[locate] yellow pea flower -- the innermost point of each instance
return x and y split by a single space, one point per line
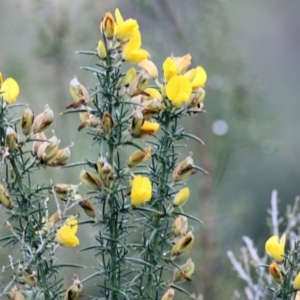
169 68
296 282
124 28
108 26
153 94
65 235
141 190
275 247
181 197
149 128
178 90
9 89
131 51
197 77
275 273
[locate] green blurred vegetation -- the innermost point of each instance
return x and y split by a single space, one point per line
250 52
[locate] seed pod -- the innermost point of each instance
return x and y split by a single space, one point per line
29 277
27 120
43 120
107 122
168 295
184 169
185 272
90 180
10 139
88 208
36 144
139 156
5 199
74 291
137 123
183 245
180 226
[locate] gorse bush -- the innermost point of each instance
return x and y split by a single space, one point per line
134 204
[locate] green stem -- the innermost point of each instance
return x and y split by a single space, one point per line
161 189
44 281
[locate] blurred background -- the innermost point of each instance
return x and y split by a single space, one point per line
250 50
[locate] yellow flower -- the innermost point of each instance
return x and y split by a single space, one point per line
65 235
275 247
181 197
182 63
141 190
148 128
124 28
197 77
169 68
9 89
296 282
108 26
178 90
153 94
131 51
275 273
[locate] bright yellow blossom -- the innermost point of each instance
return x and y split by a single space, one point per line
169 68
275 247
148 128
296 282
131 51
141 190
197 77
9 89
153 94
65 235
178 90
124 28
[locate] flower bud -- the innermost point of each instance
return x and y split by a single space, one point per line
149 67
129 76
90 180
5 199
36 144
184 169
29 277
185 272
88 208
60 159
43 120
14 294
168 295
79 94
153 94
275 272
27 120
143 82
139 156
137 123
101 50
107 122
181 197
74 291
183 245
108 26
10 139
180 226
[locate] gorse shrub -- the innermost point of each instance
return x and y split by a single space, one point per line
133 203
